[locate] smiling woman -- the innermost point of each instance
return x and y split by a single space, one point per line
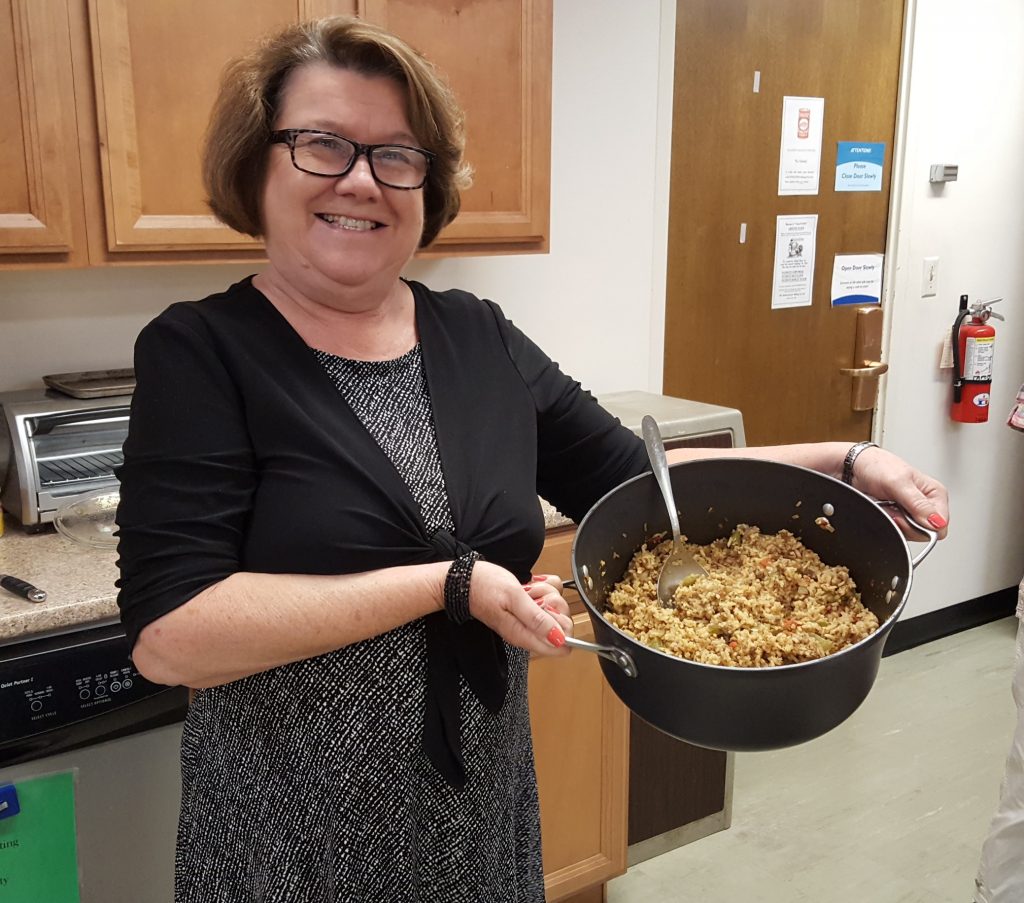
329 505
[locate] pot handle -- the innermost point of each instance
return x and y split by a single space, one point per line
933 537
623 659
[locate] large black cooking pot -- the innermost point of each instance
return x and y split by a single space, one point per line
744 708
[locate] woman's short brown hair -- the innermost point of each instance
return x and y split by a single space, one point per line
236 148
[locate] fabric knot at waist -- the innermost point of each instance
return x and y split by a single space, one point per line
471 650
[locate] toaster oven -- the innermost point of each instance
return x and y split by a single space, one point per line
54 448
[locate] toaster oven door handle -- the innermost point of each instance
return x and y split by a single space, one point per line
41 426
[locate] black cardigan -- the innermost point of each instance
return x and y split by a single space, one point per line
243 456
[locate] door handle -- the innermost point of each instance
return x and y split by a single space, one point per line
870 368
867 349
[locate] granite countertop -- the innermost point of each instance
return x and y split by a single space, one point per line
79 581
79 584
552 517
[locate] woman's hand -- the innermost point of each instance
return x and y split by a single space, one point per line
534 617
888 477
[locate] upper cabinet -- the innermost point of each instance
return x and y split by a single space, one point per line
496 55
156 69
111 99
41 210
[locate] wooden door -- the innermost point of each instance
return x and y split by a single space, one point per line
723 342
157 68
41 204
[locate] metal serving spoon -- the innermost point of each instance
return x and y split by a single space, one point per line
680 563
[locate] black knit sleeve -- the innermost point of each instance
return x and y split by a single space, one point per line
582 450
188 475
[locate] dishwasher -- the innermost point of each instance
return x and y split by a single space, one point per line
73 704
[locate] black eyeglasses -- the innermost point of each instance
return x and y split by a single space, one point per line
326 154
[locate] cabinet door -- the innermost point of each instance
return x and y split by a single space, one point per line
156 68
41 206
496 54
581 743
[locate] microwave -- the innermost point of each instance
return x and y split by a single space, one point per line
682 423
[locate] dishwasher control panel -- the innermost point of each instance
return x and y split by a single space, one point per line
60 681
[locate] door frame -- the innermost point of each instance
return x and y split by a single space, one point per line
894 251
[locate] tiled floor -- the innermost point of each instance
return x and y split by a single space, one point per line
890 807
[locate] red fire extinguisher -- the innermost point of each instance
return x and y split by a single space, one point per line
973 346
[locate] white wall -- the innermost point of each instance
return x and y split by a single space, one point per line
596 302
966 106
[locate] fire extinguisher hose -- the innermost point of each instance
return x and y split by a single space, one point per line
958 376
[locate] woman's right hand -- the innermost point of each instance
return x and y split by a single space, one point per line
498 600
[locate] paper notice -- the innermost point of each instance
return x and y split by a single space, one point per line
793 280
800 147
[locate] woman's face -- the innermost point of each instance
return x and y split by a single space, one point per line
328 234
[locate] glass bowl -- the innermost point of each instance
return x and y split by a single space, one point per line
90 519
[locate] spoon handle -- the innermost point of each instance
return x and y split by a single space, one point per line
659 464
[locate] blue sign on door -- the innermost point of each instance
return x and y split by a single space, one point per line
859 166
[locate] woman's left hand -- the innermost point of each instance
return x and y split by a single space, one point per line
887 477
546 591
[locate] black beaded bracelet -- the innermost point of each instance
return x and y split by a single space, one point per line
456 587
851 456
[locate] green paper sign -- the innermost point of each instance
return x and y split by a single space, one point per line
38 854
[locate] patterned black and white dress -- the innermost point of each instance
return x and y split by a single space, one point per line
310 783
365 816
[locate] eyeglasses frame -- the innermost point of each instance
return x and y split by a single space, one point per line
288 136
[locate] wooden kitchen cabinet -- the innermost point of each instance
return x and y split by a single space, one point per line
496 55
102 162
42 214
581 743
156 69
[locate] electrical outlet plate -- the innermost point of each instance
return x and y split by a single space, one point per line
930 277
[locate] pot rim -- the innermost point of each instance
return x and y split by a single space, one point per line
875 636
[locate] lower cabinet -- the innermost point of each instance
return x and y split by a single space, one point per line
613 789
581 742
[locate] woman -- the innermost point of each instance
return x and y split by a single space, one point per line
329 506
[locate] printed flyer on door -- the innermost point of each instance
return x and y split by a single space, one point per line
800 147
793 281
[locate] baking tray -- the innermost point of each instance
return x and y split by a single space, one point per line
93 383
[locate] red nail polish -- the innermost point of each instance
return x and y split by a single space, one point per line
556 638
937 521
537 578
